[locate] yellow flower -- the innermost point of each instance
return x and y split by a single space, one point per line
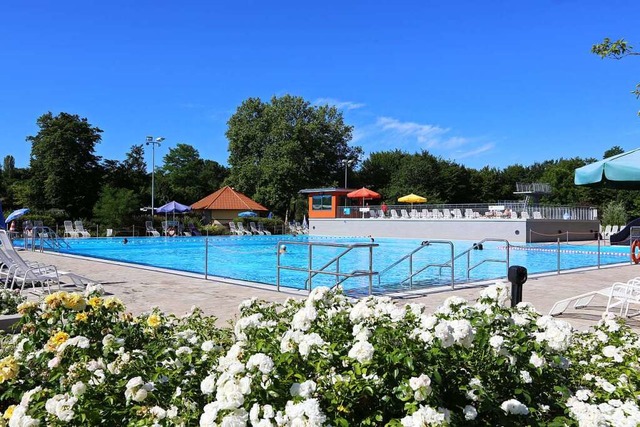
55 300
153 320
75 302
342 408
9 412
95 302
55 341
112 303
8 369
82 316
27 306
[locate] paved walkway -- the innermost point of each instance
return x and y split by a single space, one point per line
142 288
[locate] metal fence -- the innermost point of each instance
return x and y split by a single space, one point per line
470 210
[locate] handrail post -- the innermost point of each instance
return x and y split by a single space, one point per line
558 255
453 267
468 264
567 236
310 266
206 257
278 267
411 271
598 250
370 270
337 271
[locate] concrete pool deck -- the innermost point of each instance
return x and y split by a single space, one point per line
142 288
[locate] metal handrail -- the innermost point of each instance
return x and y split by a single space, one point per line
312 272
409 256
46 235
475 246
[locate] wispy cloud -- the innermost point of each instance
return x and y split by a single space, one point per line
472 153
340 105
389 132
427 135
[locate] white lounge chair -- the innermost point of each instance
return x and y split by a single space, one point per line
617 295
446 213
394 214
80 229
150 230
264 230
437 214
21 273
524 215
457 214
537 215
69 231
628 292
405 214
234 229
254 228
242 230
514 215
426 213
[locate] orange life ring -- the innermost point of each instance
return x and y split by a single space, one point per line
635 257
171 231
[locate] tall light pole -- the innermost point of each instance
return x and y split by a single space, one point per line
153 143
346 164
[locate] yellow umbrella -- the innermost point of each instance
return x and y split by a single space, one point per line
412 198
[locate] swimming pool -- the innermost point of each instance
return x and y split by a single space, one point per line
253 258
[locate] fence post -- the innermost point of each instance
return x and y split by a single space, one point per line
558 255
206 258
598 250
567 236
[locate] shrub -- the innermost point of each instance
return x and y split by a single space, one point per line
614 213
214 230
325 360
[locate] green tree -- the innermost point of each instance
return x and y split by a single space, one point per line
65 170
116 207
130 173
9 167
616 50
279 147
188 178
613 151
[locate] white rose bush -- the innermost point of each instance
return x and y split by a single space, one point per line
10 300
325 360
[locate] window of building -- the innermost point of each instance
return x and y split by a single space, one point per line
321 202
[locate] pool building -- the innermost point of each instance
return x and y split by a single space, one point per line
332 213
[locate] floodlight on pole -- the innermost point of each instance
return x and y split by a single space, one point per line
346 164
153 143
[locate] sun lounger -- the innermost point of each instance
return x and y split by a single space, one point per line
80 229
254 228
617 295
150 230
405 214
242 230
394 214
69 231
264 230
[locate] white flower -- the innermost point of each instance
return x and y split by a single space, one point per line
362 351
260 361
54 362
78 388
496 341
61 405
208 385
513 406
426 416
137 390
158 413
421 386
470 413
536 360
183 350
305 389
583 394
444 333
526 377
613 352
303 318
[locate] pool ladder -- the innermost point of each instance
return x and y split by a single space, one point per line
44 237
340 277
449 264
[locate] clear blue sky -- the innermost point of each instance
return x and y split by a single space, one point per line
478 82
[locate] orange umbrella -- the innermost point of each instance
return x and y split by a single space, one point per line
363 193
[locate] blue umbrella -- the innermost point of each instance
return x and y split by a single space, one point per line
247 214
16 214
173 207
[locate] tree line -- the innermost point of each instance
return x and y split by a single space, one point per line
276 148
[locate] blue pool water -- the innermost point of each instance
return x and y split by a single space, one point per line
253 258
